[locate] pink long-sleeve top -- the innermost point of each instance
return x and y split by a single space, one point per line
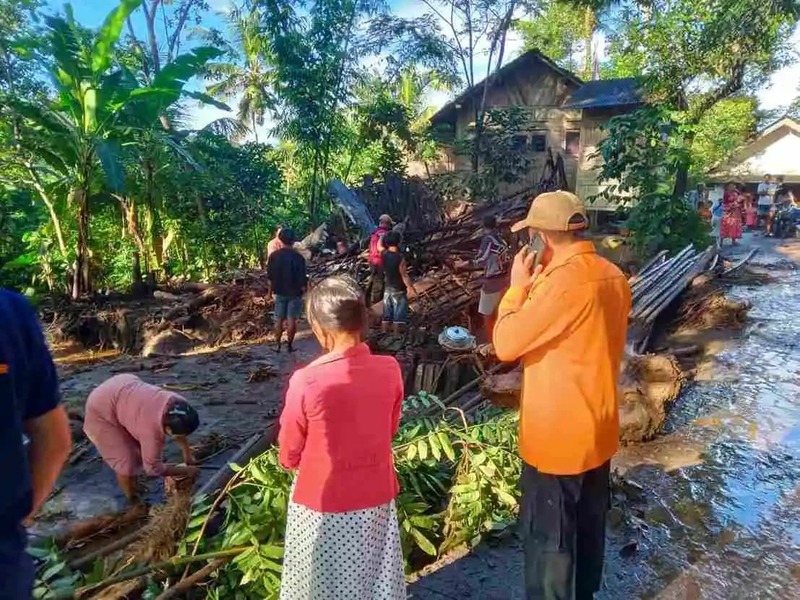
337 425
124 419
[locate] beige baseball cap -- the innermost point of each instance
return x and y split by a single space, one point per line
555 211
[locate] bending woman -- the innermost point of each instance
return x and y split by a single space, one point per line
341 413
128 420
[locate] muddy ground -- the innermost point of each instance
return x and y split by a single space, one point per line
711 509
237 390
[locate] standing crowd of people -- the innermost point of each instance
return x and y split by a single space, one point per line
556 306
738 210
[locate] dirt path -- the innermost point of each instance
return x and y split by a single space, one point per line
717 516
237 390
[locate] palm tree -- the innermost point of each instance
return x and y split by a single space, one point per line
75 139
248 76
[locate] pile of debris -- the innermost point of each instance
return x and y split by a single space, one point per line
169 324
649 381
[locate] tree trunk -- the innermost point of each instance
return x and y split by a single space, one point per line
153 217
255 131
682 174
589 25
81 280
129 212
37 185
499 45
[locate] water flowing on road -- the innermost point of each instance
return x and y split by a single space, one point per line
718 509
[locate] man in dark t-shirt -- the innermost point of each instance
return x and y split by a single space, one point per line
35 437
396 285
286 271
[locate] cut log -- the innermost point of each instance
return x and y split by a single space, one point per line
649 383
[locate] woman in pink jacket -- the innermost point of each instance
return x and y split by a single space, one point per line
341 413
128 420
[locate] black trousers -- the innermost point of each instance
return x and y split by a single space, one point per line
563 522
376 285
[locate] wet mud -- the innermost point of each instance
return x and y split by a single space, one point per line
710 509
237 390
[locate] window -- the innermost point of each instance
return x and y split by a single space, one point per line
572 143
538 143
518 142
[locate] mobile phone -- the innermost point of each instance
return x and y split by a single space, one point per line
536 246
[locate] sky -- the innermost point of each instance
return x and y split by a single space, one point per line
778 93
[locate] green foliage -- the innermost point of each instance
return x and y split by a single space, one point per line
71 144
641 155
255 516
458 482
559 33
502 156
248 74
706 50
726 127
53 578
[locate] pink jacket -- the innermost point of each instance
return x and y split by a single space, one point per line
337 425
124 419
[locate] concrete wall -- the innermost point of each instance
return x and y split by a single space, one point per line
777 153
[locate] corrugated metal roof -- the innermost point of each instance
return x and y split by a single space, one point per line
605 93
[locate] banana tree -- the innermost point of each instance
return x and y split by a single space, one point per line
77 137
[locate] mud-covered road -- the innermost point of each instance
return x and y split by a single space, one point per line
716 514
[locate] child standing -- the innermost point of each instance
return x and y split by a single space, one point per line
716 222
337 425
396 285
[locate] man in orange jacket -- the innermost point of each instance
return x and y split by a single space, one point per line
566 319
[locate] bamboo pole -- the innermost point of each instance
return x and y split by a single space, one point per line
176 561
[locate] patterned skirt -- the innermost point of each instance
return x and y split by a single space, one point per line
353 555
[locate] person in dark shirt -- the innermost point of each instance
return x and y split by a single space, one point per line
286 272
35 438
396 285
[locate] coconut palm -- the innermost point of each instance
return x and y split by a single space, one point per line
248 77
76 138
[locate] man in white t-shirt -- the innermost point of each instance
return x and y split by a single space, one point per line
766 197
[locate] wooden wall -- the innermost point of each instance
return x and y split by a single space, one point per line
592 134
541 91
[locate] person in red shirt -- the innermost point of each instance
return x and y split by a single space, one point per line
376 248
340 415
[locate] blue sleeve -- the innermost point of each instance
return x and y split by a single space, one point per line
41 393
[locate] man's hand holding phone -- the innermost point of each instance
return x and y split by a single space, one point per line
526 267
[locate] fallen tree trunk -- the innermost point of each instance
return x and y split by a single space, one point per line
648 384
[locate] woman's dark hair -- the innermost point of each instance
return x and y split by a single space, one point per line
181 418
337 304
286 236
391 239
489 222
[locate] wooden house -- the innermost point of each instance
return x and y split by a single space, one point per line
564 114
